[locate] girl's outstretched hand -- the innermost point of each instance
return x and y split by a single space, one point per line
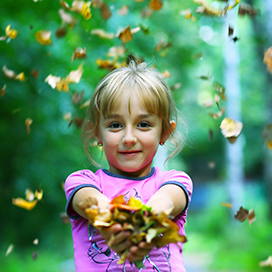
137 253
116 238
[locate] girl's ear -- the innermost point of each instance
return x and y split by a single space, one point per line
167 133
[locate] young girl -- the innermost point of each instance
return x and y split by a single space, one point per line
130 115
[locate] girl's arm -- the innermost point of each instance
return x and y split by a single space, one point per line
170 198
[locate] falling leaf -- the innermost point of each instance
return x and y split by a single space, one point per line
36 241
35 73
208 103
43 37
230 33
125 35
106 64
268 59
21 77
65 17
116 52
8 73
247 9
28 122
101 33
65 5
74 76
267 262
161 45
61 32
79 53
211 164
52 81
218 114
166 74
77 98
267 135
77 6
210 134
9 250
244 214
251 217
29 195
22 203
86 11
97 3
146 12
225 204
67 116
11 33
38 194
207 9
155 4
231 129
123 11
34 255
105 11
3 90
62 85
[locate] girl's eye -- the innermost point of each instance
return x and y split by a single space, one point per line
115 125
144 125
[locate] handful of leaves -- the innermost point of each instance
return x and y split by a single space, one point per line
139 220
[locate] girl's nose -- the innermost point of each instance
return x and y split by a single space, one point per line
129 137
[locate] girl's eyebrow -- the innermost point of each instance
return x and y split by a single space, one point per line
112 116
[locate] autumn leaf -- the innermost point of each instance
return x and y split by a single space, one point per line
11 33
28 122
247 9
62 85
52 81
8 73
38 194
268 59
231 129
267 135
79 53
3 90
218 114
267 262
125 35
9 250
22 203
77 98
105 11
77 6
244 214
225 204
43 37
155 4
86 11
123 11
101 33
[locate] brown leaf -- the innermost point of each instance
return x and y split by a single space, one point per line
79 53
251 217
267 135
105 12
247 9
230 33
3 90
241 215
35 73
34 255
77 97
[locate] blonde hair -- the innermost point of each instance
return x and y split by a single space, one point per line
152 90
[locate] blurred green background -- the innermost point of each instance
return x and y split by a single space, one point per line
200 54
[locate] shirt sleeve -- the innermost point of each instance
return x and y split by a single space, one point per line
76 181
182 180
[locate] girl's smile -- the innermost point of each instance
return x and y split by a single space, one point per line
130 137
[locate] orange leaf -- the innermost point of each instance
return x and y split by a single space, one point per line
268 59
155 4
228 205
125 35
28 122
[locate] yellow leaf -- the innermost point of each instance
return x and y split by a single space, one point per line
228 205
101 33
86 11
39 194
269 144
43 37
79 53
11 33
22 203
21 77
62 85
136 203
234 5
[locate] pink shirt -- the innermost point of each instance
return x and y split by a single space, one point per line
91 252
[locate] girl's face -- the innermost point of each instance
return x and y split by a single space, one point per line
130 138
